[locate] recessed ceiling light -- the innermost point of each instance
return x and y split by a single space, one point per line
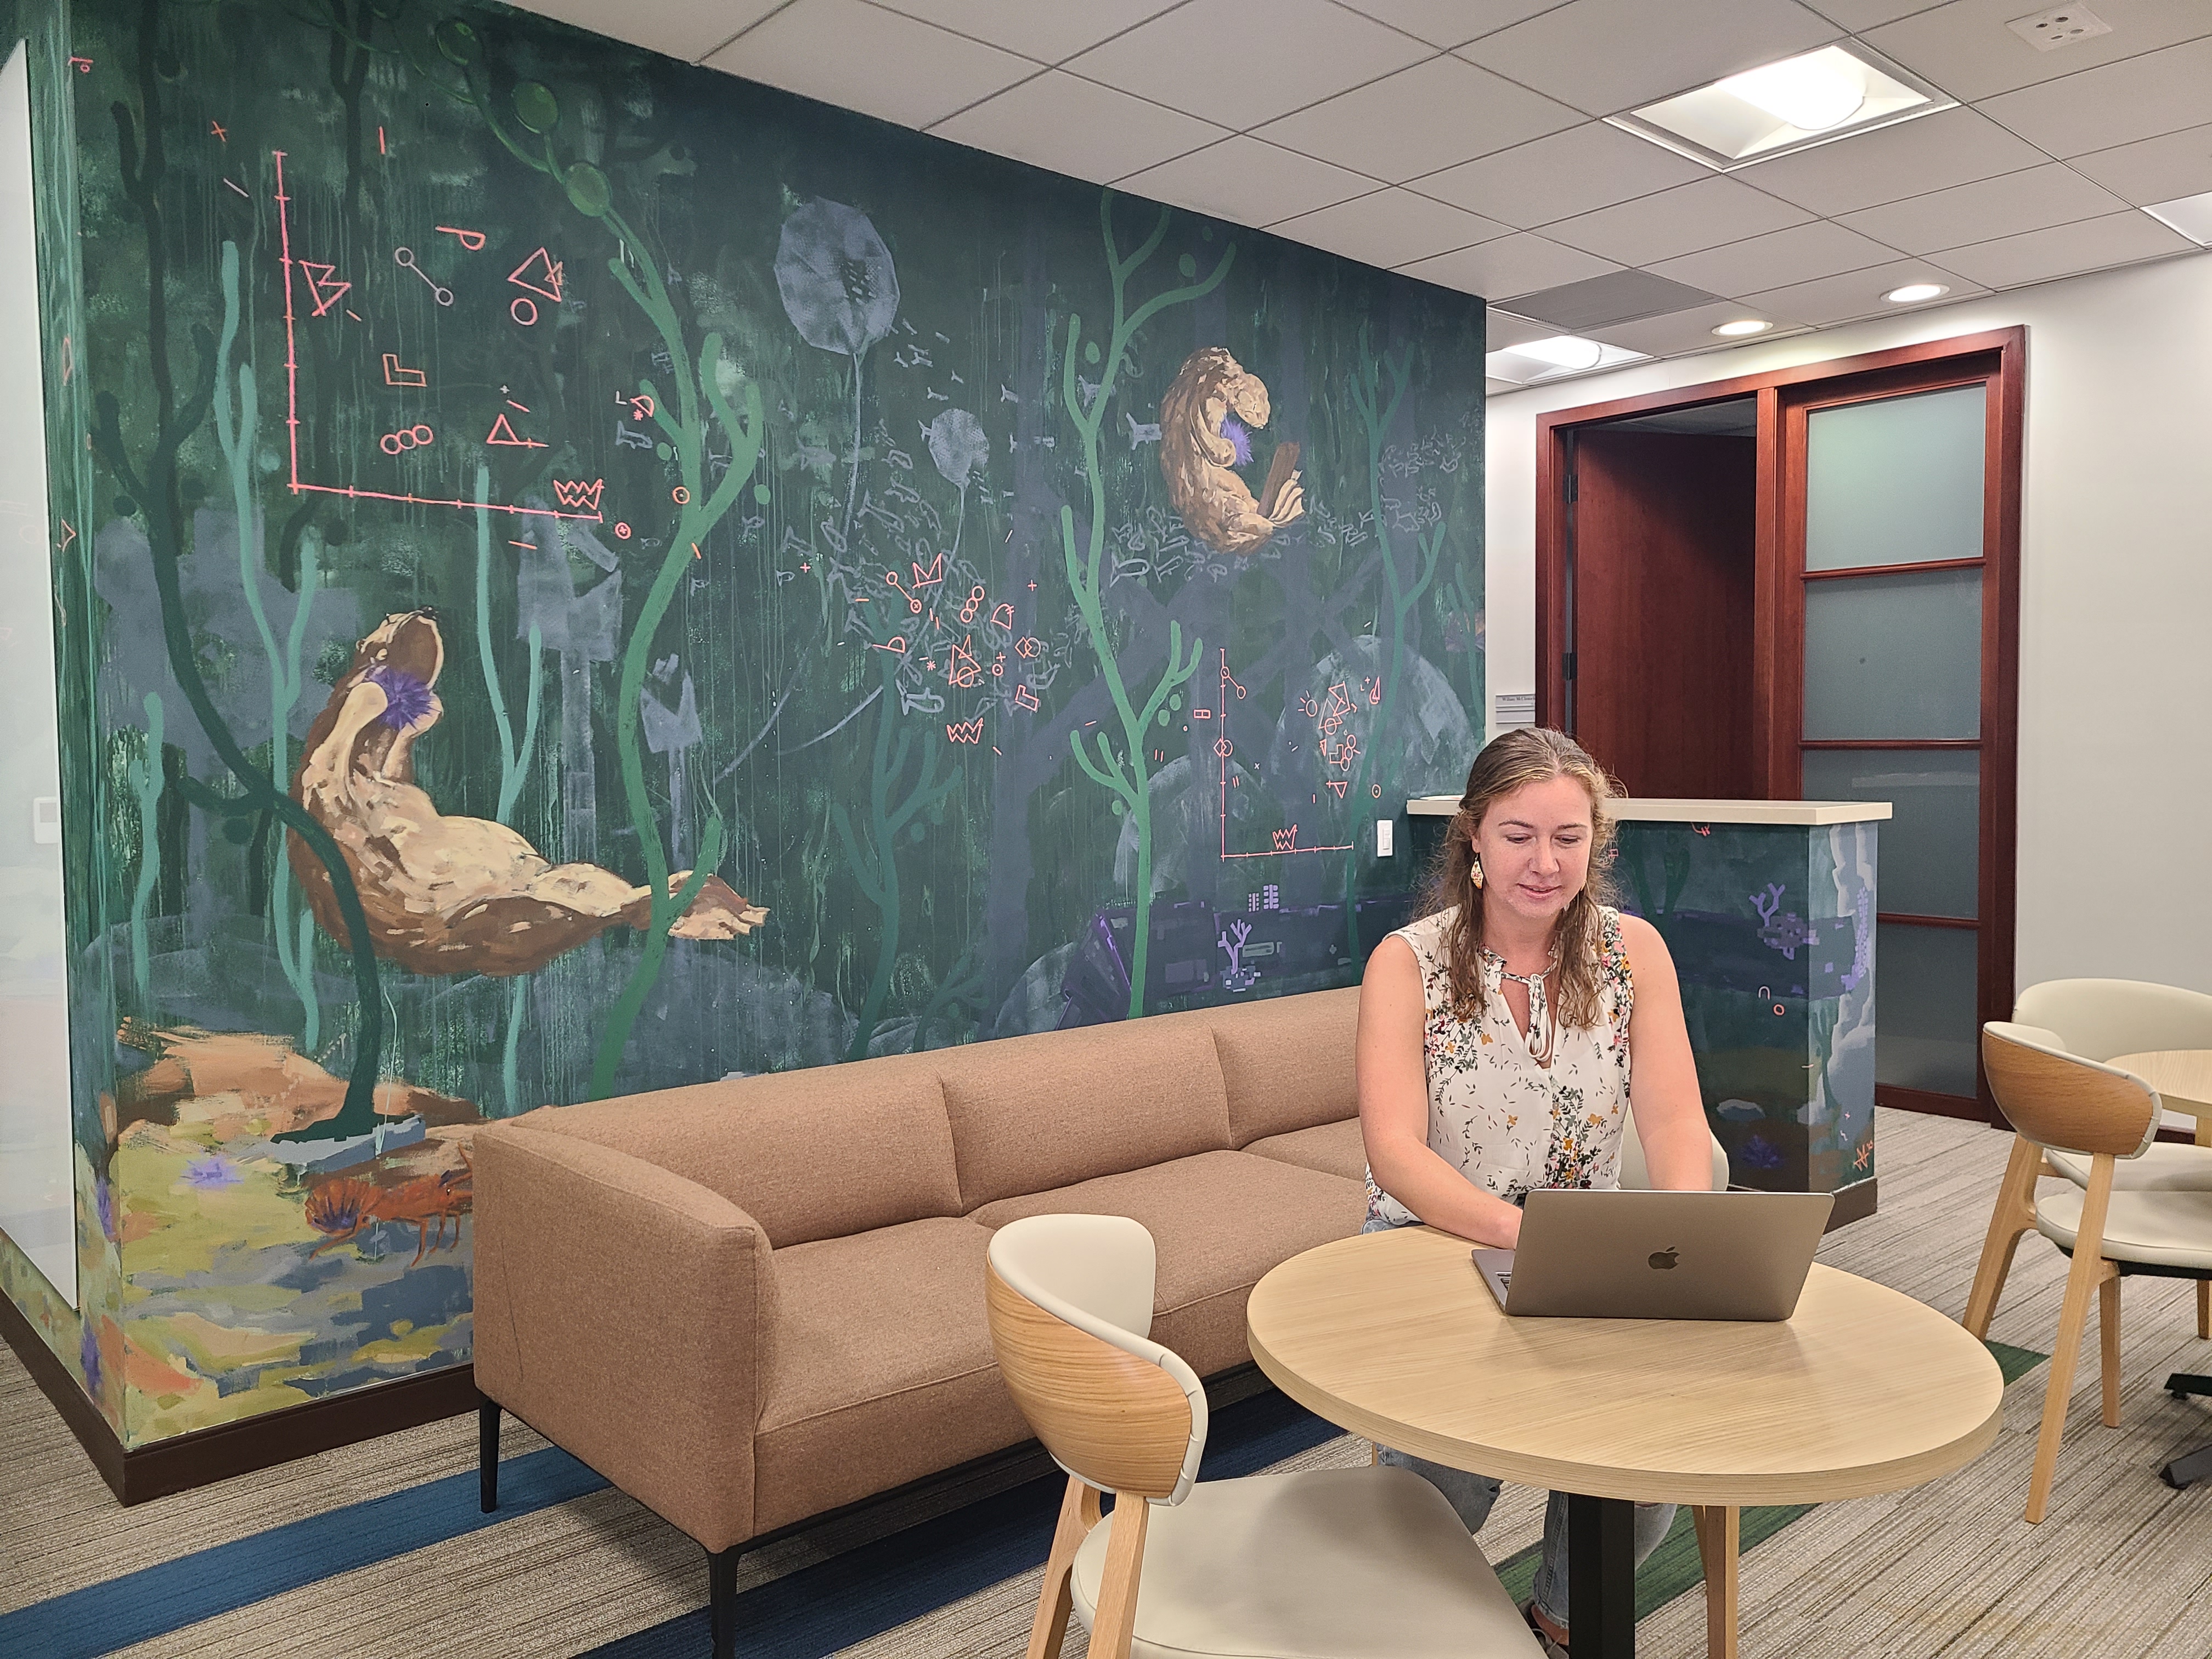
1564 352
2189 215
1740 326
1913 293
1784 106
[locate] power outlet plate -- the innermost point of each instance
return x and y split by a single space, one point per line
2048 31
1383 828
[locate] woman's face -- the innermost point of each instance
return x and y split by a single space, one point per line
1534 846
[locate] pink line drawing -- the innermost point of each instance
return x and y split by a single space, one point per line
302 487
1285 841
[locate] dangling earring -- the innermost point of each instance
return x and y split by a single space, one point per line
1474 872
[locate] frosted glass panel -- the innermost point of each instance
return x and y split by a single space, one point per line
38 1204
1895 656
1931 847
1926 1028
1894 481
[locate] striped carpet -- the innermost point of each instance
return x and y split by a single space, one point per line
378 1549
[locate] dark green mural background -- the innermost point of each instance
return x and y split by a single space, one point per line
757 507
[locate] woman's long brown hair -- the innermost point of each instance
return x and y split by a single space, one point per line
1512 761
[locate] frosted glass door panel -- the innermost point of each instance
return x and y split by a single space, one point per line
1927 1033
1895 481
1895 656
38 1206
1931 847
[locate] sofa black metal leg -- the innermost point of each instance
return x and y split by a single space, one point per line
487 1453
722 1601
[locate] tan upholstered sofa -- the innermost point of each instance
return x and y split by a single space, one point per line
748 1303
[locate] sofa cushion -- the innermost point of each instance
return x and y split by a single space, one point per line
1287 1061
880 1369
810 1154
1031 1113
1332 1148
1220 1220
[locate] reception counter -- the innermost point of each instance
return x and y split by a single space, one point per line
1768 908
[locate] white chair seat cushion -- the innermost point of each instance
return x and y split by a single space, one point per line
2165 1168
2166 1229
1329 1564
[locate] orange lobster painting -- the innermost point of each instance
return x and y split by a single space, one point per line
344 1208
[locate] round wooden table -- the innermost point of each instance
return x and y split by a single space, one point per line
2183 1078
1394 1336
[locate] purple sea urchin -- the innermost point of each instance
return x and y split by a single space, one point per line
1239 440
407 701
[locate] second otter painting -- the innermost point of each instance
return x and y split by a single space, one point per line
626 579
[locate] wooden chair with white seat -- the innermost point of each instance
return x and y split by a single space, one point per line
2062 1105
2098 1019
1358 1563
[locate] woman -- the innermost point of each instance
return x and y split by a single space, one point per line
1495 1036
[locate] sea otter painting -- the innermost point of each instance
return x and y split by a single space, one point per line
450 895
1207 420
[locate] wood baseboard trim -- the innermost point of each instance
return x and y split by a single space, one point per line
207 1455
1853 1203
1929 1102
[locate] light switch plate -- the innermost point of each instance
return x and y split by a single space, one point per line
1383 827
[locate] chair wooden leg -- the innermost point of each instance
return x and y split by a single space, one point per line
1116 1621
2014 1214
2073 1316
2108 1343
1719 1537
1078 1513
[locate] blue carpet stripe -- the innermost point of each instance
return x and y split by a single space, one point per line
865 1592
157 1599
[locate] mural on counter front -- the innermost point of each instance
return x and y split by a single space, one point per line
597 576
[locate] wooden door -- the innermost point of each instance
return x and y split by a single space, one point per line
1663 578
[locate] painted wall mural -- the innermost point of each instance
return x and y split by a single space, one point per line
584 575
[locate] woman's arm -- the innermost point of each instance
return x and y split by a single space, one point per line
1670 1113
1394 1108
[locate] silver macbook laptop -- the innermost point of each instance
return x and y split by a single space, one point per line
1658 1255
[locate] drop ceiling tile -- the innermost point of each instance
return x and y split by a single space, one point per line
1966 48
1684 220
2116 104
1619 296
1840 299
689 29
909 72
1606 56
1242 62
1777 259
2052 194
1585 167
1389 228
1247 182
1688 331
1857 15
1046 32
1420 120
1511 264
2117 239
1449 22
1078 127
1952 147
2156 169
1502 330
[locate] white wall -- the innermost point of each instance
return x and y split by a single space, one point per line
2116 596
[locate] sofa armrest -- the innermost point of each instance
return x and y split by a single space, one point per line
622 1312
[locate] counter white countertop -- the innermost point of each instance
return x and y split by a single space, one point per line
1803 813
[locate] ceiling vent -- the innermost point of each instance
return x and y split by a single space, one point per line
1623 296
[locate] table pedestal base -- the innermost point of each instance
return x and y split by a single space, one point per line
1602 1577
2190 1466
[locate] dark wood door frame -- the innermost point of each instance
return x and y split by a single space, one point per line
1784 398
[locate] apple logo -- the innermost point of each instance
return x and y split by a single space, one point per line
1663 1259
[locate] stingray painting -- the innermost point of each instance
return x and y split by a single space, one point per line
1206 421
450 895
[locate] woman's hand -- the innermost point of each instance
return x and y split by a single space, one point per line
1394 1108
1670 1112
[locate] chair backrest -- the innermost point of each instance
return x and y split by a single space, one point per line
1636 1178
2056 1099
2097 1019
1070 1299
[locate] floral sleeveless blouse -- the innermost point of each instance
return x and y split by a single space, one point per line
1507 1123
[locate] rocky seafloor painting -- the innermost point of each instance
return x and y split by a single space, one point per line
585 575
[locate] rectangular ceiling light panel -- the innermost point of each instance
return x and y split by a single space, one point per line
1782 107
